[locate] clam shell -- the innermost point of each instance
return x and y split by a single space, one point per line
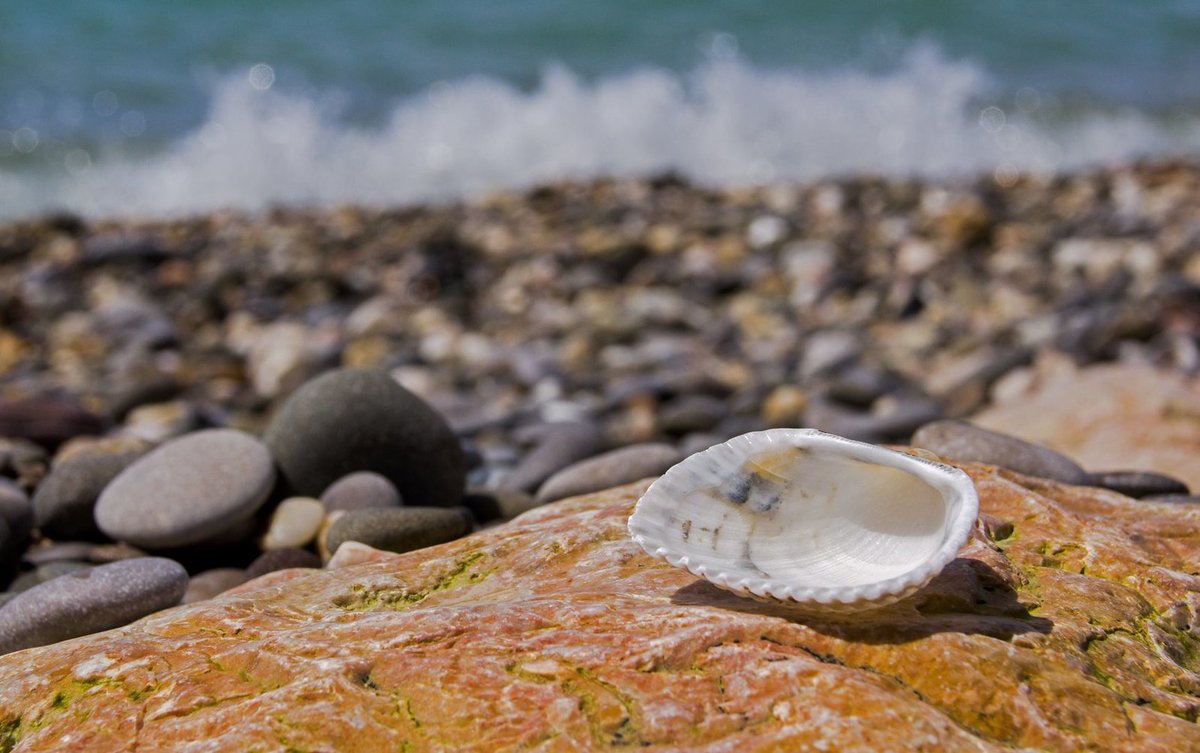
804 516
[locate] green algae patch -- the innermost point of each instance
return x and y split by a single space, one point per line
463 573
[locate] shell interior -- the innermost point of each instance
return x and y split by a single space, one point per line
806 516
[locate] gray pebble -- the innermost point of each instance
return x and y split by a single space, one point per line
905 415
64 502
689 413
89 601
398 529
210 583
362 420
281 559
558 445
609 469
16 510
1137 484
359 491
959 440
46 572
8 546
188 490
57 551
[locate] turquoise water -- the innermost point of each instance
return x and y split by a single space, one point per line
139 107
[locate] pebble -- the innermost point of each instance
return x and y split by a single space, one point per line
397 529
558 445
168 497
483 504
1174 499
64 502
362 420
895 424
281 559
8 546
89 601
294 523
16 511
1138 484
613 468
48 420
690 413
45 572
959 440
359 491
57 551
210 583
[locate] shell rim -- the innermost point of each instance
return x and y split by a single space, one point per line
949 481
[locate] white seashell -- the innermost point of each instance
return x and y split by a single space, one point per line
801 515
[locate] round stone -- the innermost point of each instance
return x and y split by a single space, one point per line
88 601
359 491
362 420
64 502
294 523
609 469
398 529
16 511
188 490
281 559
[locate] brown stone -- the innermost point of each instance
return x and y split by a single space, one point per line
1110 416
1073 630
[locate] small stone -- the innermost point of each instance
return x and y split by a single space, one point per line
690 413
558 445
359 491
356 553
483 504
959 440
16 511
281 559
210 583
89 601
65 501
360 420
784 406
294 523
609 469
188 490
398 529
102 554
48 420
57 551
1138 484
513 503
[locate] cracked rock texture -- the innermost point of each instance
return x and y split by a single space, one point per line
1068 623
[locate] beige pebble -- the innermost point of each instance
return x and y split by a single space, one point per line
294 523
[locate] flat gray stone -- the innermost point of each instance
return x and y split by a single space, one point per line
609 469
362 420
188 490
89 601
1138 484
359 491
959 440
558 445
398 529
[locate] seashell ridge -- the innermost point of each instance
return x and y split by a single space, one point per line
803 516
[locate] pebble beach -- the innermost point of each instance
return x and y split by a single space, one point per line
188 404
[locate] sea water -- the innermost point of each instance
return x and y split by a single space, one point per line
145 107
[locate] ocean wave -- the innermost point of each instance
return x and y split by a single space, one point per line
725 123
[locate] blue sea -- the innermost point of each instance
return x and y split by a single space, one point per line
150 107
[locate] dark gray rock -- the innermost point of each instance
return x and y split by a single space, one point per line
88 601
1138 484
1174 499
609 469
188 490
398 529
281 559
16 511
959 440
362 420
359 491
64 503
558 445
689 413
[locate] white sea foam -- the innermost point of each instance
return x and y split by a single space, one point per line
727 122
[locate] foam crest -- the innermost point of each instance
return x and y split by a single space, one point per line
727 122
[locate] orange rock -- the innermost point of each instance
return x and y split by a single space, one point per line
1076 630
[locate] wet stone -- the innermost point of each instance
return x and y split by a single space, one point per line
168 499
1138 484
959 440
91 600
359 491
398 529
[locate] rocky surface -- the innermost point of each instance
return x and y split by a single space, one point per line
1067 623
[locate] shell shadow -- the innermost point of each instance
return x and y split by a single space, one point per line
968 597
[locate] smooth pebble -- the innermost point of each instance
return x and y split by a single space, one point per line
1138 484
959 440
558 445
65 501
281 559
210 583
294 523
398 529
359 491
16 511
609 469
